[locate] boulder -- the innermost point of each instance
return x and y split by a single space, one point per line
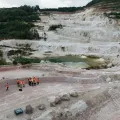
29 109
64 96
67 114
54 100
74 94
57 114
41 107
61 114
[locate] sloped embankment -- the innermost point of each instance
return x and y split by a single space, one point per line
105 4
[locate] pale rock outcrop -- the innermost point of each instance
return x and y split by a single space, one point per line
41 107
73 94
54 100
64 96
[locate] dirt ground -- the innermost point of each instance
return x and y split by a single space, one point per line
100 105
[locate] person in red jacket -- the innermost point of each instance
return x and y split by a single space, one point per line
7 87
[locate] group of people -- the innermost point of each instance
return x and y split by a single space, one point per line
33 81
20 83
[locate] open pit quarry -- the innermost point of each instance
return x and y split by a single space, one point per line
68 93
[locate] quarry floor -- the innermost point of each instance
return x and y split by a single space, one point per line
51 86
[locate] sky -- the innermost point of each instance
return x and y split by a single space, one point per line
44 3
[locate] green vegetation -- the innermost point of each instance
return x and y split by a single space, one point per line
16 29
18 52
114 15
54 27
63 9
3 62
1 53
17 22
25 47
24 13
22 50
24 61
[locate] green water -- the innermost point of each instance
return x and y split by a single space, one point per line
76 61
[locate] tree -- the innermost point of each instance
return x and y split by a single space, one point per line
37 8
17 22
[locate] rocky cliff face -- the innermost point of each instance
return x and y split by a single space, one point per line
87 32
90 26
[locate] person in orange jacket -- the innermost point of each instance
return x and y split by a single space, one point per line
34 81
23 83
18 82
7 87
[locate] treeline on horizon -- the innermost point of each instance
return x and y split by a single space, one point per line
16 22
63 9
